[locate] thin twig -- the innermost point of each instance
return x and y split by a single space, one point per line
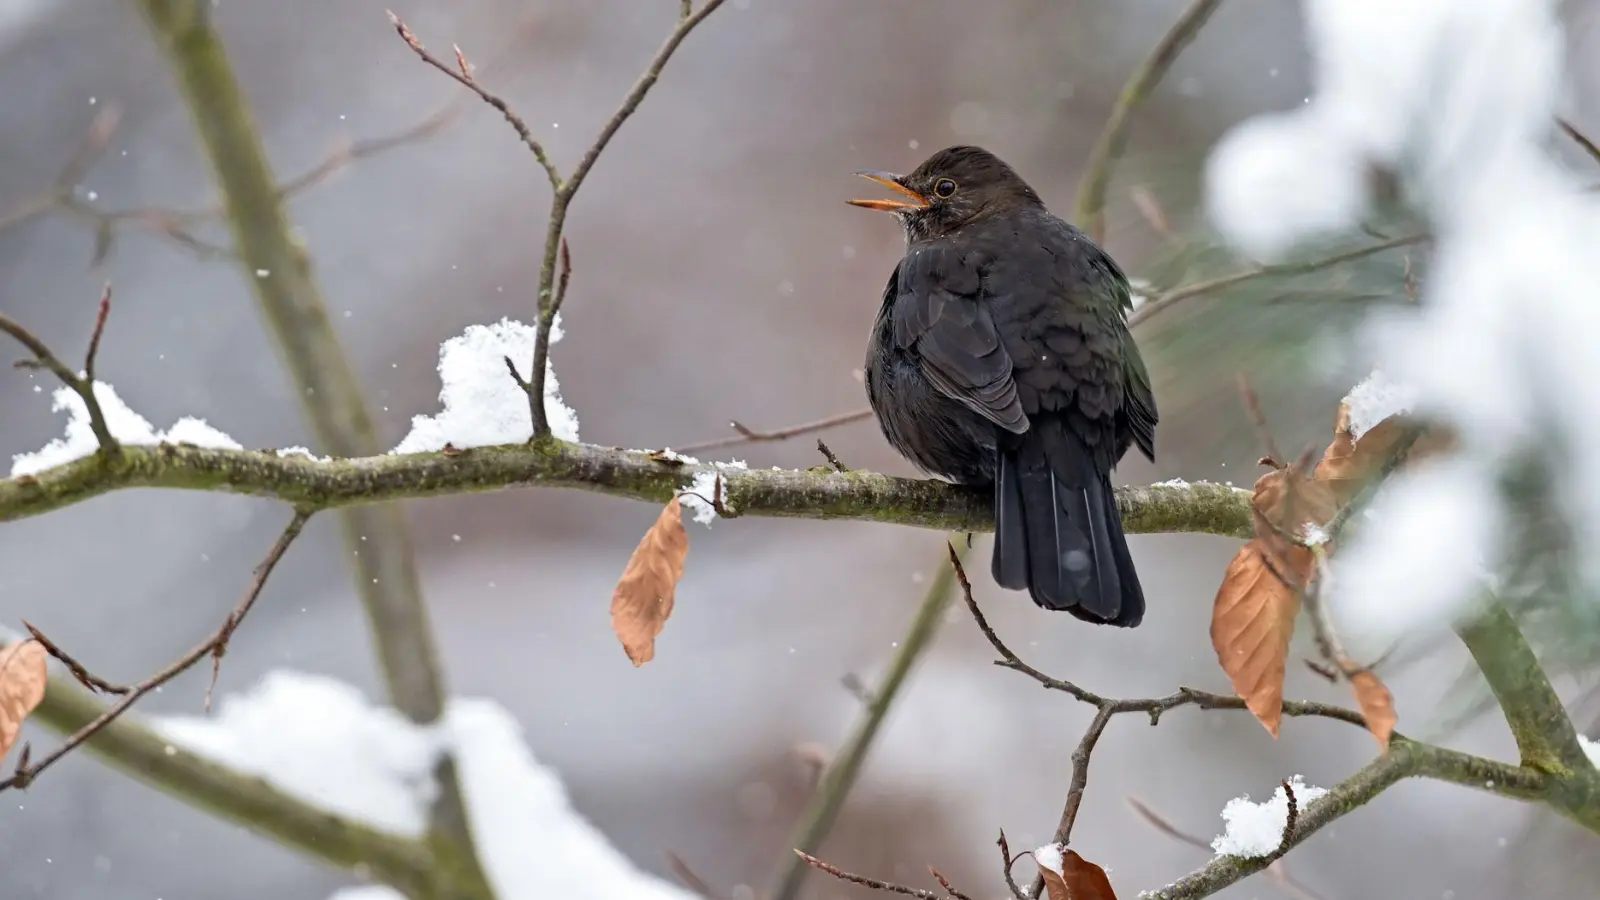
864 881
1113 137
1252 405
747 435
1291 821
1162 302
82 385
23 777
840 774
1578 137
1007 861
688 19
178 224
79 670
1107 707
95 140
690 879
945 883
462 73
831 457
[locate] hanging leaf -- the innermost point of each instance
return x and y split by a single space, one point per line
644 596
23 673
1377 704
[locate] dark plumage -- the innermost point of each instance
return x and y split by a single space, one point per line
1001 356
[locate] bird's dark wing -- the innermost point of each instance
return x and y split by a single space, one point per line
939 316
1139 404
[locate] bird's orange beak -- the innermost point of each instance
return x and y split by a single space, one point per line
892 182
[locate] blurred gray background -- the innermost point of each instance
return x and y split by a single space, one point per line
718 276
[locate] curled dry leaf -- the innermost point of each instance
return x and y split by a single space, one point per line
1078 879
23 673
1286 501
1377 704
1348 464
1251 624
644 596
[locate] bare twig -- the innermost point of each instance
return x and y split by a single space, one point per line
1579 138
178 224
82 385
1162 302
79 671
877 885
550 293
462 73
690 879
840 774
945 883
25 776
746 435
1007 861
828 454
1107 707
1252 405
64 187
1113 137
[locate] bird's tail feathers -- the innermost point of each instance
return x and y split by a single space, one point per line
1058 532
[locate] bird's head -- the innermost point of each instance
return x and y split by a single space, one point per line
952 188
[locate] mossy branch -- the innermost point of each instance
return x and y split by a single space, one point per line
1577 798
1546 737
309 484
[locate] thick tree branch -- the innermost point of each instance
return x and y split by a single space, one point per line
840 774
1546 737
1576 798
130 745
279 271
1090 214
1200 507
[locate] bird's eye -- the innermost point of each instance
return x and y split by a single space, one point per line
944 187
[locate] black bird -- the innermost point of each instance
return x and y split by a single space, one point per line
1001 356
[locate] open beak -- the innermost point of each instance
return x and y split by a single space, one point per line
892 182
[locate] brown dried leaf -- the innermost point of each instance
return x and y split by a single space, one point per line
1348 464
1251 624
22 678
1377 704
644 596
1078 879
1285 502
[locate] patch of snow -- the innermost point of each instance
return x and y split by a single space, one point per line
1256 829
320 739
483 405
126 426
704 488
1376 398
